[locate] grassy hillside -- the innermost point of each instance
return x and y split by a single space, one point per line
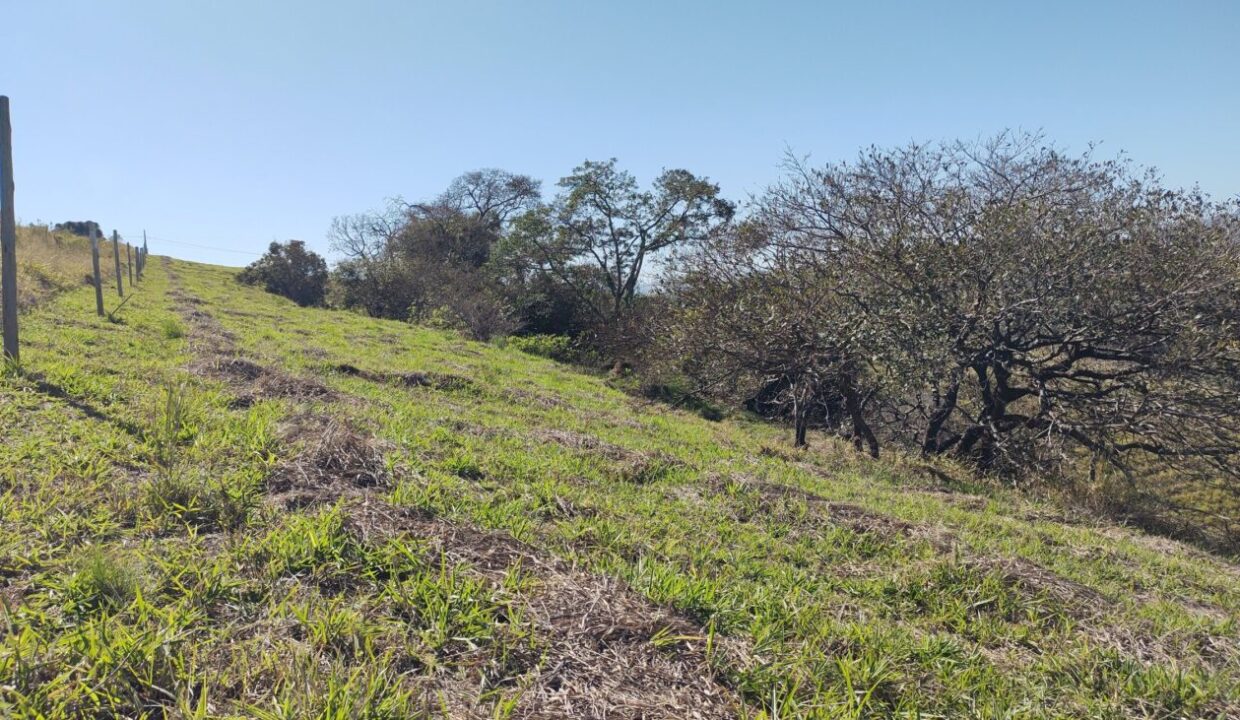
229 506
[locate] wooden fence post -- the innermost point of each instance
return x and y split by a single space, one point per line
129 265
8 233
94 261
116 255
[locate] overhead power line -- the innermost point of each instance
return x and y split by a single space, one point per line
182 243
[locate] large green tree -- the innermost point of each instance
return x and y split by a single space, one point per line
601 232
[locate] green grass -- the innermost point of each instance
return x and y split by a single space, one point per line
172 329
185 543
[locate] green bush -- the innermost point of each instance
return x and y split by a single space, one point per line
289 269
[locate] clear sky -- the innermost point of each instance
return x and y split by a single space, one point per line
229 124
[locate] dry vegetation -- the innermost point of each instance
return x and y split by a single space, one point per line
49 262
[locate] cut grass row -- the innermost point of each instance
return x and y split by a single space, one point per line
1013 614
149 570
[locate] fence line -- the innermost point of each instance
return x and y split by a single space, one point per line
135 259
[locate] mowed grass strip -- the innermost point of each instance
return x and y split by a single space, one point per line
946 602
186 532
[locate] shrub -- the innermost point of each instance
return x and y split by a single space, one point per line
462 302
291 270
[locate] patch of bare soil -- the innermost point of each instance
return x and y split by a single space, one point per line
608 652
252 382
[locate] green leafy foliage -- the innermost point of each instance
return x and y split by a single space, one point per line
291 270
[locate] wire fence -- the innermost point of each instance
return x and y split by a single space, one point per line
132 267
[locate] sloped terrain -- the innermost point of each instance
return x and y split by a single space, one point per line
225 505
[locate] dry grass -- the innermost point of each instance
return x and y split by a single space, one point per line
606 652
49 263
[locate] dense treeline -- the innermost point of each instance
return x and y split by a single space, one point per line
490 257
999 302
81 228
1022 310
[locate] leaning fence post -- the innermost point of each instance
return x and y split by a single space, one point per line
116 255
8 233
129 265
94 261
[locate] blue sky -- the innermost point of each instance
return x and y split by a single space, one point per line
229 124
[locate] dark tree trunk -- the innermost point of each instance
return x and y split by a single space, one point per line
800 419
979 441
861 429
934 428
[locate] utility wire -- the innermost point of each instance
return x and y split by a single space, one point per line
153 238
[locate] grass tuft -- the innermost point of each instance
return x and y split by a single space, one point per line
103 581
172 329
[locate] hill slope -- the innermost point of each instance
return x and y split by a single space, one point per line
227 505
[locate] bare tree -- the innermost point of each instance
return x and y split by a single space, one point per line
424 261
753 323
1036 307
493 196
366 236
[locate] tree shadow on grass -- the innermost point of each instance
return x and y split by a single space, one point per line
58 392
